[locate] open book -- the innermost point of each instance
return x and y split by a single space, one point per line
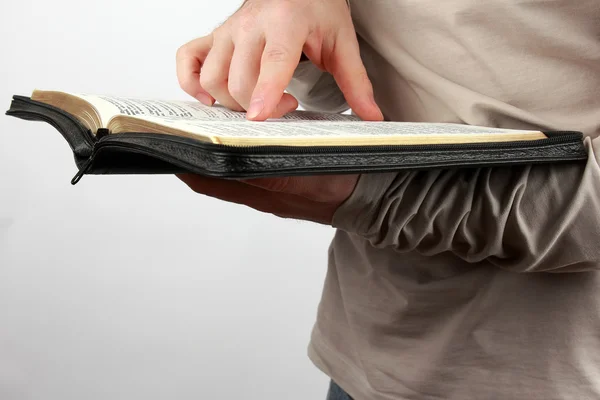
111 135
300 128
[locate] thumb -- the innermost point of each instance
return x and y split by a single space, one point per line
349 72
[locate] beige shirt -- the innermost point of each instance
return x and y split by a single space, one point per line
473 283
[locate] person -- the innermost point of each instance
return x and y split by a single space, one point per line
474 283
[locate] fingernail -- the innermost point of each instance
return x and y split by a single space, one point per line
256 107
204 99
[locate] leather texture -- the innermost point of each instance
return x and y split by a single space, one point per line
80 139
222 161
145 153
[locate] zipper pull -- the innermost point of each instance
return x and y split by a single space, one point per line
83 170
101 132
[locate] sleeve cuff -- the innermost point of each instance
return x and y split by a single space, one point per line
362 212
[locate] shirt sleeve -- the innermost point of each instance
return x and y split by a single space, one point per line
536 218
316 90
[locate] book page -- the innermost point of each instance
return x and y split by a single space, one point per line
110 106
318 130
303 128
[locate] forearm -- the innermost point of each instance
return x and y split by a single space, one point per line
524 219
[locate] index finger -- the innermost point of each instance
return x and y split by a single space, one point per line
280 58
351 76
189 61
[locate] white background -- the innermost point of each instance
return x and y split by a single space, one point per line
134 287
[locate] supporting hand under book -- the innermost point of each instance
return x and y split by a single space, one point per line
310 198
247 63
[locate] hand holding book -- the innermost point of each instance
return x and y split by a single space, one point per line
127 135
247 63
309 198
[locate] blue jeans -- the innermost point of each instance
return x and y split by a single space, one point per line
337 393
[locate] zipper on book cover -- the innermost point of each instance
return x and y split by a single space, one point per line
561 137
121 140
558 137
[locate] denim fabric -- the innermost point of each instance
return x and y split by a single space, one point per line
337 393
